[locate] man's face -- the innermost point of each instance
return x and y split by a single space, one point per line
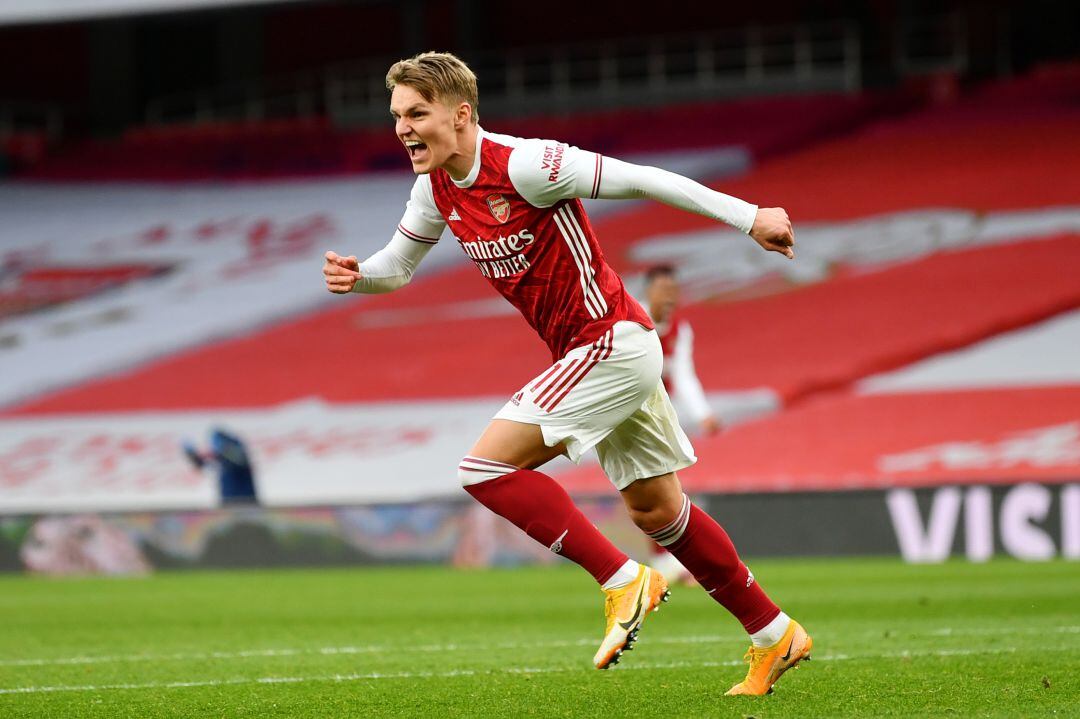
662 294
425 128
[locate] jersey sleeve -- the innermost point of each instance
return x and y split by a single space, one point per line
545 172
393 266
422 221
618 180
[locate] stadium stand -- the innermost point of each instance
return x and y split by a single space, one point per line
311 147
903 256
987 413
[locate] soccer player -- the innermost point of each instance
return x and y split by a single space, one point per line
677 342
680 380
514 207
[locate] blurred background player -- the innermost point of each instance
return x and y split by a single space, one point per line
680 380
521 201
677 341
227 457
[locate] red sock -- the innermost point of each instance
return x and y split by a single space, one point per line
537 504
705 549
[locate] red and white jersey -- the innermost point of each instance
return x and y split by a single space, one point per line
518 217
680 375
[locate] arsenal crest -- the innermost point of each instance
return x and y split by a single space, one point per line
500 208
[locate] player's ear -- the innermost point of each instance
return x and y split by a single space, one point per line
463 116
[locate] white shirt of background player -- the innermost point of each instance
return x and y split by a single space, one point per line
394 265
661 299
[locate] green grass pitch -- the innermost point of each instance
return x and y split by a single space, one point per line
995 640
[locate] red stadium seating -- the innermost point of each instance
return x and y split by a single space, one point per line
808 343
311 147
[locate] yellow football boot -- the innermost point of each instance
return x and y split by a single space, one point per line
768 663
625 609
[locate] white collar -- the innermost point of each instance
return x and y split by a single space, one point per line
471 177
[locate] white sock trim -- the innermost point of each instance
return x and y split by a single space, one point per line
772 632
622 576
474 470
673 530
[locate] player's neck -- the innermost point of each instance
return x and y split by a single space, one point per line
460 163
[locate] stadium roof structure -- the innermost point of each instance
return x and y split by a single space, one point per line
15 12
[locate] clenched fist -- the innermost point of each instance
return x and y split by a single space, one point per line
772 230
341 273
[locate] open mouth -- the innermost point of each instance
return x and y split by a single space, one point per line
416 149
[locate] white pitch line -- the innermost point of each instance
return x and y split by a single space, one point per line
440 648
971 631
374 676
330 651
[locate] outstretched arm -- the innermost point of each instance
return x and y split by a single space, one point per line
618 180
546 172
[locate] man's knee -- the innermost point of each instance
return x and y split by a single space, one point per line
654 502
474 470
666 527
653 511
653 518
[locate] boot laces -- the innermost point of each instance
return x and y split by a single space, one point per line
609 609
755 656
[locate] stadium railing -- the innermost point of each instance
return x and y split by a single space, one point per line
563 78
302 147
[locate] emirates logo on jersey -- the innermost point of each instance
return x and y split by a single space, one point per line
500 208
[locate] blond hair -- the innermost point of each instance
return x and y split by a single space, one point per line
437 76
